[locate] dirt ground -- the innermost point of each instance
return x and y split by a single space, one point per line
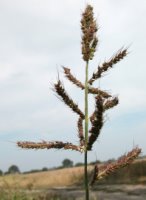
112 192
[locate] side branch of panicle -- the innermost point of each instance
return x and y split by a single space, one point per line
49 145
75 81
97 91
97 122
120 163
80 131
59 89
109 64
95 174
111 103
72 78
108 104
89 29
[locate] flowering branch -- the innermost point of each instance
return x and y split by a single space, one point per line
124 161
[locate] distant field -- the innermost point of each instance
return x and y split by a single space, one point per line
53 178
62 184
136 173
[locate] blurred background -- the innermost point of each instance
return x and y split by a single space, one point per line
37 38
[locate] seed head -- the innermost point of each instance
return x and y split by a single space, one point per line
89 29
120 163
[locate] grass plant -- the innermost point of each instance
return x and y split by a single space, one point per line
103 102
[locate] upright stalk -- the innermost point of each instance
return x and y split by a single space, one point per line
103 102
86 134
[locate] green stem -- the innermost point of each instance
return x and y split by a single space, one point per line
86 134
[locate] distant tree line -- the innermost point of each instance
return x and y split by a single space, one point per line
133 172
13 169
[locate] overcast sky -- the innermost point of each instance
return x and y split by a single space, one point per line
37 37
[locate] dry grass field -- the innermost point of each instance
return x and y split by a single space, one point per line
54 178
57 185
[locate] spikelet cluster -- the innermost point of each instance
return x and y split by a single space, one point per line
92 90
111 103
106 65
95 174
72 78
66 99
80 131
75 81
113 167
96 121
49 145
89 29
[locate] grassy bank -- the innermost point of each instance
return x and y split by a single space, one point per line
37 186
134 174
43 180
